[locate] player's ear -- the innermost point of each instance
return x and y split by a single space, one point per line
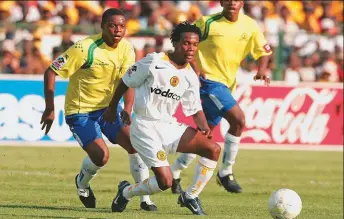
241 3
102 25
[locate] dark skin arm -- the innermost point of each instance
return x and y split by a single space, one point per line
201 122
49 90
262 67
128 106
110 114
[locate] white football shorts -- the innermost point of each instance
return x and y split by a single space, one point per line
155 139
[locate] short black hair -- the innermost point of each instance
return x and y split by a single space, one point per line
184 27
110 12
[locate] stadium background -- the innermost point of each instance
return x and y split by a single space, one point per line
302 107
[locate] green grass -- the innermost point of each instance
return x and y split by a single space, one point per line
39 183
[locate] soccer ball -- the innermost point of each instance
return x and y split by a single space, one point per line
284 204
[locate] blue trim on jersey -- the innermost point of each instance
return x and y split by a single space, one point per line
216 99
87 127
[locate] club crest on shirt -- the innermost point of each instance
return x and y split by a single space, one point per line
161 155
243 37
60 62
174 81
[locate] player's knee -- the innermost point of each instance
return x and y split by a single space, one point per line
165 182
102 158
239 122
106 157
131 150
211 151
215 151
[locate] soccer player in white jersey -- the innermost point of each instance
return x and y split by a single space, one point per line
161 82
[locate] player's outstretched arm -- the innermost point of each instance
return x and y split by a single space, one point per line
263 62
111 112
49 90
201 122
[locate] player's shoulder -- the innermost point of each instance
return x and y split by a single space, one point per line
88 41
250 22
148 59
126 44
210 17
191 75
155 57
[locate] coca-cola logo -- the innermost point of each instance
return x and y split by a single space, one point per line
285 120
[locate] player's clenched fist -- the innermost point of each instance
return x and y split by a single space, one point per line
47 119
207 132
125 117
265 78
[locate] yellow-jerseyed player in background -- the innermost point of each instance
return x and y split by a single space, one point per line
227 38
94 67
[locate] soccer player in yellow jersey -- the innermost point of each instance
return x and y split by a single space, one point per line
227 38
94 67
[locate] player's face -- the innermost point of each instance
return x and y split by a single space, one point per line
114 28
187 46
231 7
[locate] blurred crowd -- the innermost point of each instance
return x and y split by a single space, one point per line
306 36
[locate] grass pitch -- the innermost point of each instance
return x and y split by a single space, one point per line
38 182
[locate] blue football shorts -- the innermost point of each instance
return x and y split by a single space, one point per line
216 100
87 127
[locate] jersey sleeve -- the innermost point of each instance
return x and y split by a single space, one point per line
191 101
129 60
138 73
70 61
258 44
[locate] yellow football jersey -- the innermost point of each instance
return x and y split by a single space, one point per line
225 44
94 70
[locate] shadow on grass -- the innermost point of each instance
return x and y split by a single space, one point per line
79 209
33 216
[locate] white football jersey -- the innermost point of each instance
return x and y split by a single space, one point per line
160 87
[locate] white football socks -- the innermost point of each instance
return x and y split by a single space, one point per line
203 172
182 162
87 172
147 187
139 171
230 152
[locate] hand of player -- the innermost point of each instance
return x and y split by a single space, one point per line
201 74
110 115
47 119
125 117
207 132
262 77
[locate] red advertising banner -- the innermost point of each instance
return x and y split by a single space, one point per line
310 114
